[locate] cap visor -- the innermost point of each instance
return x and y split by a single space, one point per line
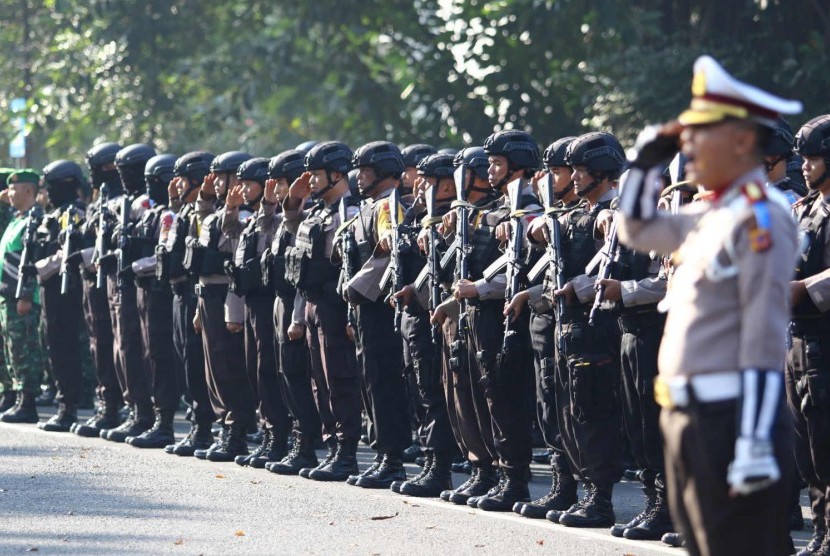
701 117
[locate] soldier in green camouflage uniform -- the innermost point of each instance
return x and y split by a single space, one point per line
19 318
7 395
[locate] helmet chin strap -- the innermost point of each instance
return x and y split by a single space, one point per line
559 195
329 185
770 164
823 177
597 180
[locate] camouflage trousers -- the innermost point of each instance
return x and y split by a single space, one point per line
5 376
21 346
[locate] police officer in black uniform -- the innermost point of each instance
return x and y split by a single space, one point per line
503 355
380 166
543 338
62 313
587 366
190 171
808 358
422 346
103 177
155 302
245 218
311 268
293 358
221 313
778 153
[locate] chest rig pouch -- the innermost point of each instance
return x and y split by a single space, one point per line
170 261
306 266
273 265
245 272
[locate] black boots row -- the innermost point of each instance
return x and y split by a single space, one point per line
22 410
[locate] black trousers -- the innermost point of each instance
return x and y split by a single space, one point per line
423 358
188 346
509 387
261 361
808 397
334 371
155 308
699 445
225 370
640 342
465 399
131 367
382 374
62 318
543 340
294 364
587 383
100 330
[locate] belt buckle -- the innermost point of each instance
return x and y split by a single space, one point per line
671 395
662 394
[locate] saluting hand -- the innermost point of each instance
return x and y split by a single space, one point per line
301 188
235 198
269 194
208 189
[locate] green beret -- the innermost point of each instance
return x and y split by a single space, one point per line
23 176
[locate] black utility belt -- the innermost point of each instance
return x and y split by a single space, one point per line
818 325
638 320
207 291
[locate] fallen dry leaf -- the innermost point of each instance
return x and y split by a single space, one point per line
540 542
381 517
240 533
220 476
430 526
32 549
256 482
178 542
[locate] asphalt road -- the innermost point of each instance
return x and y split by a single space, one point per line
61 494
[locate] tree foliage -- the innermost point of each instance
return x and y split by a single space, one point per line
264 76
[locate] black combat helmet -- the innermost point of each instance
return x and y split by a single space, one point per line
229 162
554 155
63 179
254 169
599 152
130 162
194 166
780 141
813 139
473 158
288 164
306 146
99 156
158 172
518 147
412 154
382 156
331 156
437 166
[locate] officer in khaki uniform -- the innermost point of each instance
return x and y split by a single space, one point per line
726 431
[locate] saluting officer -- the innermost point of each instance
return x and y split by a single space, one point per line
726 430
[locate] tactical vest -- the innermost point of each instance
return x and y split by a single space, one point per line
484 247
48 234
364 234
170 257
245 271
811 260
578 243
143 242
273 267
306 266
202 255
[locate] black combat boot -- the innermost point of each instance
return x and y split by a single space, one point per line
233 444
514 489
275 450
331 446
200 438
437 478
160 435
484 478
562 496
62 421
446 494
301 456
465 467
819 534
676 540
618 529
595 509
390 470
23 411
352 479
264 445
340 467
105 418
656 522
411 453
201 453
7 400
428 457
142 421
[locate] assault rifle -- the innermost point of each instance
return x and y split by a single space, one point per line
70 232
102 237
347 249
605 270
395 259
458 349
514 192
124 243
25 268
433 263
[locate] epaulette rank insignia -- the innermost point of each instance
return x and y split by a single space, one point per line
760 238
